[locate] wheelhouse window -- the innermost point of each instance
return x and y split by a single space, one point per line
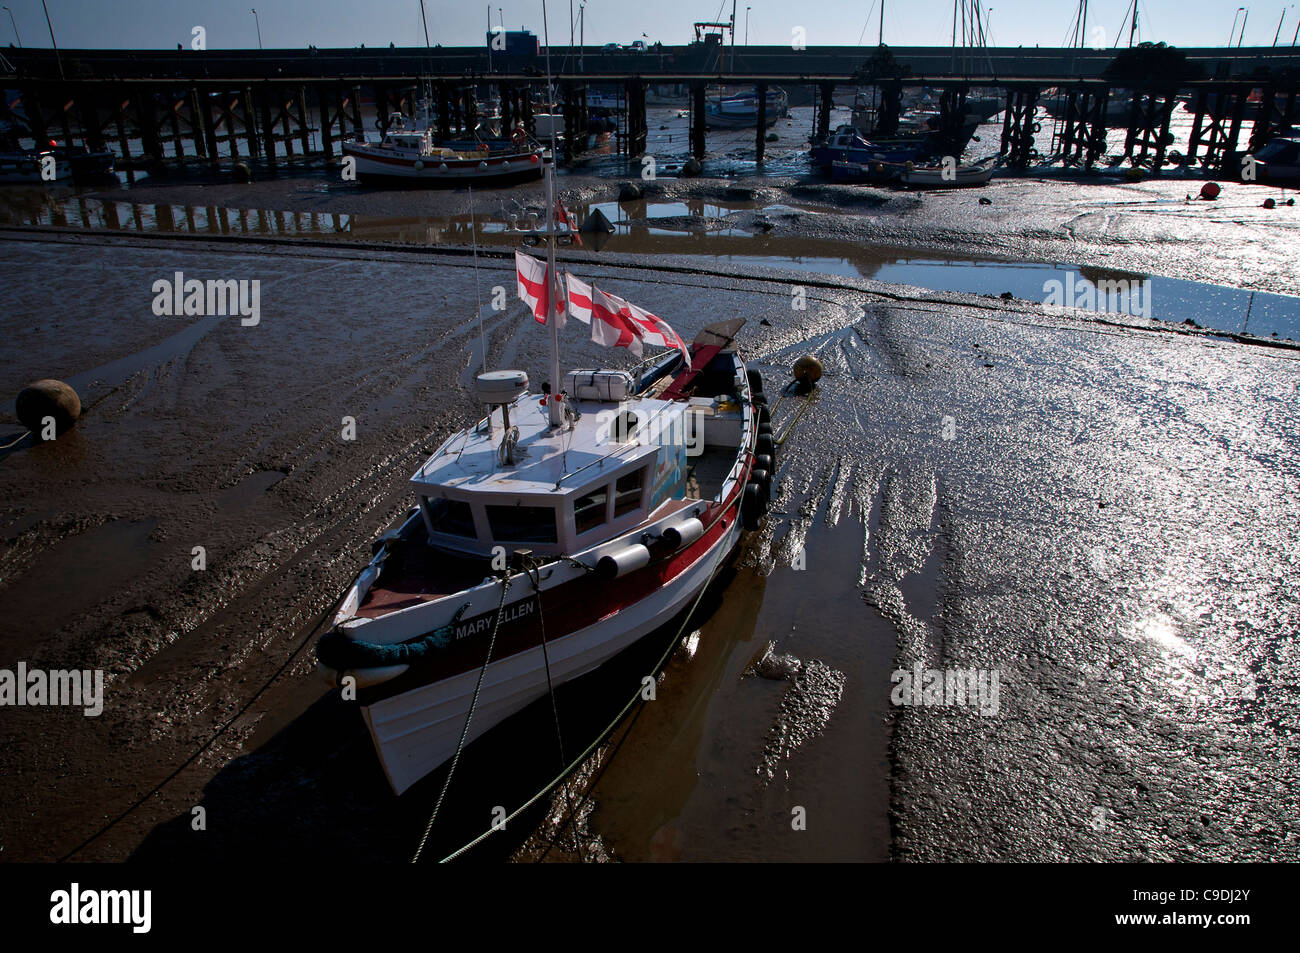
452 517
522 524
589 509
627 493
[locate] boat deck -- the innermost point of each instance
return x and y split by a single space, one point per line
706 473
421 574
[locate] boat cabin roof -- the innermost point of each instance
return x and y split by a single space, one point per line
560 462
568 488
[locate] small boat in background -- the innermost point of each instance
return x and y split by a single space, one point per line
1278 161
947 176
848 145
741 112
412 155
27 165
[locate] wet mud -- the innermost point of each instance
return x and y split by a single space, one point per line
1100 511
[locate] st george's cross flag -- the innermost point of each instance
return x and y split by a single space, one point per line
605 313
535 291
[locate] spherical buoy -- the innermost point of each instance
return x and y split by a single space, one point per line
442 167
1269 203
482 165
1210 191
807 370
243 173
419 165
48 399
533 159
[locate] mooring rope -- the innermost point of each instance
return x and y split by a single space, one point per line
464 732
535 574
207 744
663 659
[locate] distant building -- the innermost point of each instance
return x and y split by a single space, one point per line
517 43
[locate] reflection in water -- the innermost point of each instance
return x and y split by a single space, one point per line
706 229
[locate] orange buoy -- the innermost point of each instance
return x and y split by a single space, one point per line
1210 191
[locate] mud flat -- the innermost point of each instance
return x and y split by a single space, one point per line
1100 511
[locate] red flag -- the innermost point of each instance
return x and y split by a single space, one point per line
656 330
567 218
533 286
606 315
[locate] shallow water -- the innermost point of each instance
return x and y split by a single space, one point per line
717 232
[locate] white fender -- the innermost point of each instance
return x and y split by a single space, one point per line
623 562
683 533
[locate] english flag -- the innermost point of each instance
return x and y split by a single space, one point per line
534 289
656 330
609 317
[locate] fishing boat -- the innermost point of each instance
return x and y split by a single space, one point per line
950 176
408 154
741 112
847 145
556 531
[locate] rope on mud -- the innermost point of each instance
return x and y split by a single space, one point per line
799 413
663 660
17 440
207 744
464 732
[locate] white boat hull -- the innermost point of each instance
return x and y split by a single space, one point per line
418 730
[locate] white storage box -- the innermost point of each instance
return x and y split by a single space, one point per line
599 385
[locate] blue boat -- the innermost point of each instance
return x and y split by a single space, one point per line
847 145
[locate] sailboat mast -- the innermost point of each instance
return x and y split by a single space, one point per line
881 41
554 412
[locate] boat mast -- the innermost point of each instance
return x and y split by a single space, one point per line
554 412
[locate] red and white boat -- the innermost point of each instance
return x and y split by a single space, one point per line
412 155
588 517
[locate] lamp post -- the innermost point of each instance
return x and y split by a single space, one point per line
1242 35
257 21
15 26
57 57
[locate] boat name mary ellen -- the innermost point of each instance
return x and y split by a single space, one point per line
83 689
483 623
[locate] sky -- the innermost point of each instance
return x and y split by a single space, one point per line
161 24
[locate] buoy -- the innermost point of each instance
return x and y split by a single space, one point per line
45 399
419 165
807 370
1210 191
442 167
482 165
243 174
1269 203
